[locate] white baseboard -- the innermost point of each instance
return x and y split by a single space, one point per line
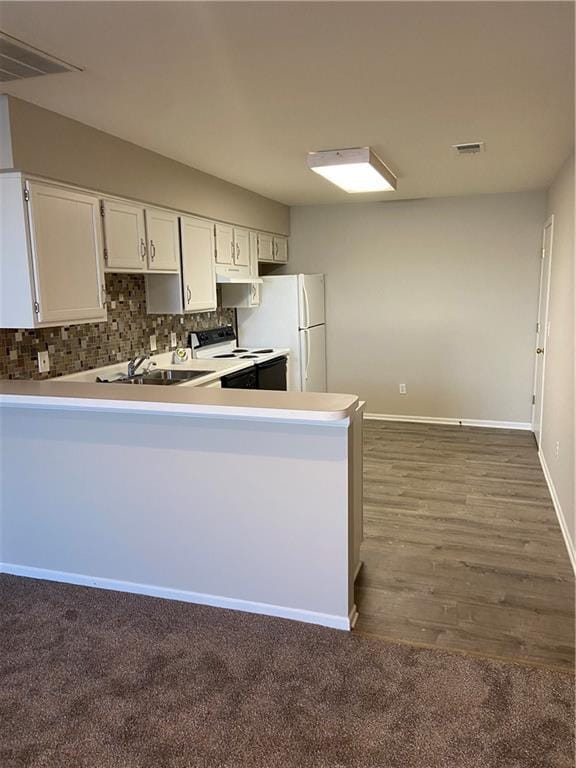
559 513
310 617
525 425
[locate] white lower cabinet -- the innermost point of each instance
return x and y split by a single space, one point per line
51 270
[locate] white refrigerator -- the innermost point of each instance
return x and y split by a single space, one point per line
291 315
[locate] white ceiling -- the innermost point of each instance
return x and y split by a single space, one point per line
245 90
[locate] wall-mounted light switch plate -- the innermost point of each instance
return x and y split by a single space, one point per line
402 388
153 345
43 362
173 340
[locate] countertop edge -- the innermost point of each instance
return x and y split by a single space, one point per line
339 417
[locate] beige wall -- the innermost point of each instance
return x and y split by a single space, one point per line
439 294
48 144
558 415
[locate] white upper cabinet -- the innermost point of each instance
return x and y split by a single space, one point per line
225 246
198 269
241 248
265 247
65 232
281 249
232 252
272 248
51 270
124 236
163 244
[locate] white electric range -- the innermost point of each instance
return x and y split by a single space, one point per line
268 370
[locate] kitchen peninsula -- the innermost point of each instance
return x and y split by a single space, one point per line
242 499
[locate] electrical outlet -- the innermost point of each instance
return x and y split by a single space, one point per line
153 345
402 388
43 362
558 450
173 340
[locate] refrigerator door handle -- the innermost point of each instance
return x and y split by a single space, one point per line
306 305
307 340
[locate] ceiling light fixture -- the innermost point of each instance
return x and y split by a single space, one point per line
353 170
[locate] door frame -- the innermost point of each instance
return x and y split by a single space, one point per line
542 323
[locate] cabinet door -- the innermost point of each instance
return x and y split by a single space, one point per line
241 247
225 246
265 247
198 271
163 245
66 239
281 249
124 236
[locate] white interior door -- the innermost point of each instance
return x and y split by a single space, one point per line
542 328
198 267
313 359
65 230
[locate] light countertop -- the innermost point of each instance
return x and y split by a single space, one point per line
163 360
318 407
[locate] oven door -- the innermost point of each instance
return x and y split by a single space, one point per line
246 379
272 374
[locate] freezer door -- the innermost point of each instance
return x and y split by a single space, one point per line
313 359
311 300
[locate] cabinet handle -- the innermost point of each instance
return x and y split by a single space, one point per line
188 294
237 251
152 250
232 248
142 248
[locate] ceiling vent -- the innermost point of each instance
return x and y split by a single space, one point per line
469 148
19 61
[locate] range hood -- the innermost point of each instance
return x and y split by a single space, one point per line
227 280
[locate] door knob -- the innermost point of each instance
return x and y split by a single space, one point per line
540 351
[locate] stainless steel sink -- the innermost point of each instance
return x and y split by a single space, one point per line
161 377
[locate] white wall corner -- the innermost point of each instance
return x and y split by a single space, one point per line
6 155
570 545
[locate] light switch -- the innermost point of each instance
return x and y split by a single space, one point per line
153 345
173 340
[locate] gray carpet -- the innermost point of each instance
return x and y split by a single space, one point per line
93 679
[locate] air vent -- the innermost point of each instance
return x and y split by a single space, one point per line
469 148
19 61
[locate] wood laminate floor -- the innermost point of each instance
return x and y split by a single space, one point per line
462 549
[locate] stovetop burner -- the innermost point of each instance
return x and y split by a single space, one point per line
262 351
227 355
248 357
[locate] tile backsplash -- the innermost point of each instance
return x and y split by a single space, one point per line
79 347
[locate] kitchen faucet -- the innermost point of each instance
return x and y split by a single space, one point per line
135 363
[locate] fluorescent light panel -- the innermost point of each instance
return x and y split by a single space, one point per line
353 170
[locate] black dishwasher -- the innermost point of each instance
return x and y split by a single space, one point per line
272 374
246 379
